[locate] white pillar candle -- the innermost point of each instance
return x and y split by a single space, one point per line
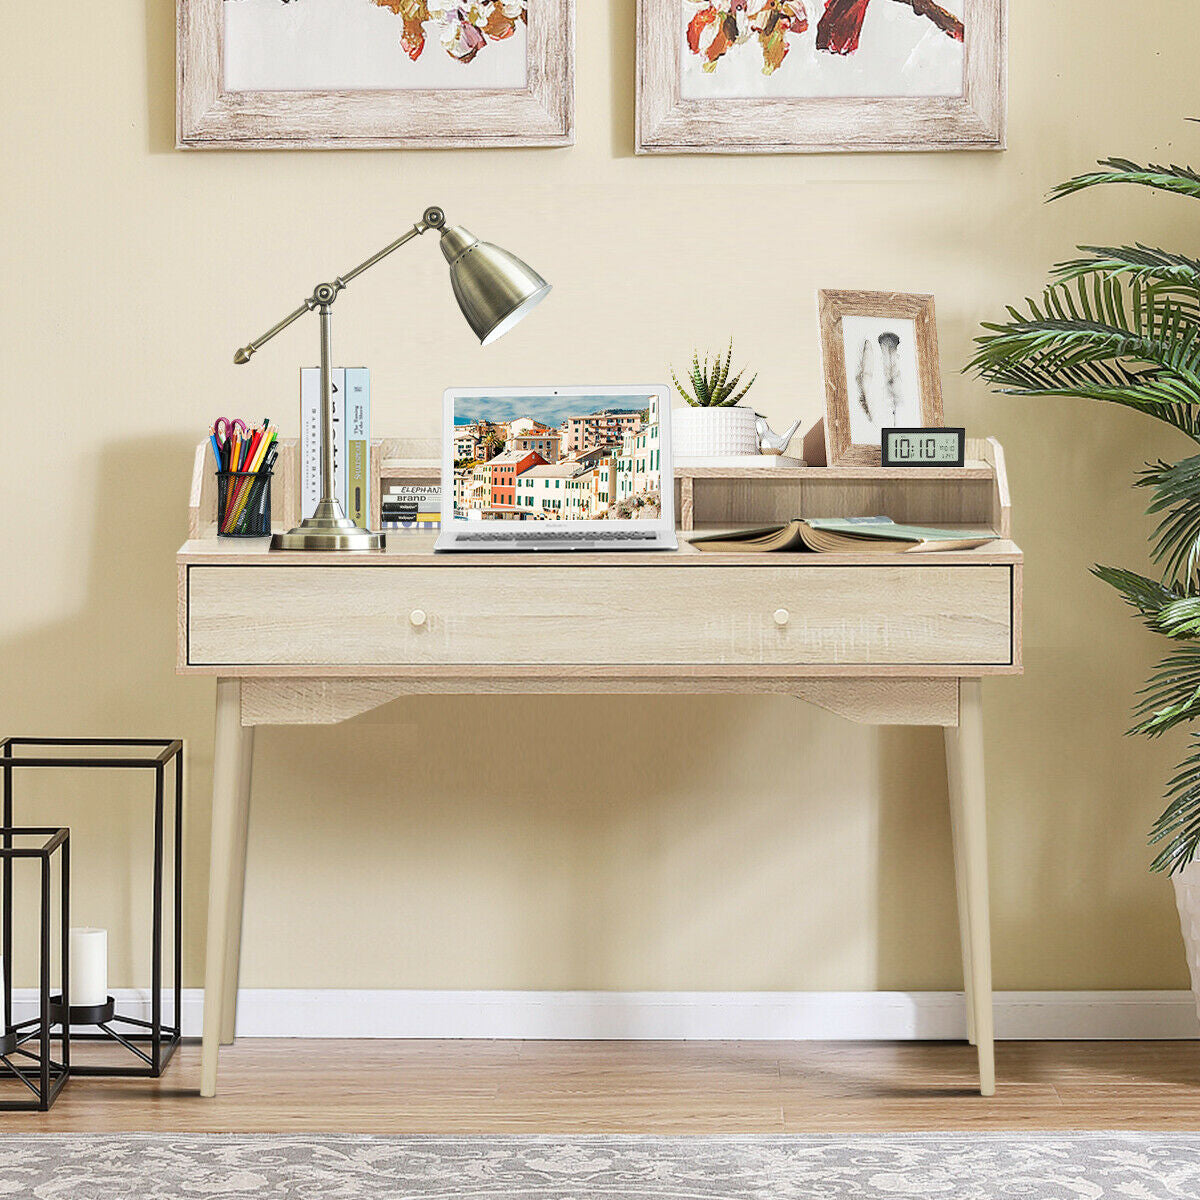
89 967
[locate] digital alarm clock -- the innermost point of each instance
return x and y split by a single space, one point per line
924 447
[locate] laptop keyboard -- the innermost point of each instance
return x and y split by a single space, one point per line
562 535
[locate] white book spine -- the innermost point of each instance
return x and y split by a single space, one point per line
310 438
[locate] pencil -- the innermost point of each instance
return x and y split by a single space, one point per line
252 468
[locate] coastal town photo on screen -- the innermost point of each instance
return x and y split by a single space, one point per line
552 458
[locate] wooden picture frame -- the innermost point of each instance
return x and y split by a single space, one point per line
210 116
916 380
669 123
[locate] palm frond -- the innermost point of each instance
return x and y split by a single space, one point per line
1177 499
1148 596
1146 262
1121 324
1179 825
1172 694
1181 180
1181 619
1100 338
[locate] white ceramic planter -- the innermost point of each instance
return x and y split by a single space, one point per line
712 432
1187 899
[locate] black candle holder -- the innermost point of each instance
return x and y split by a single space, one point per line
152 1042
39 1073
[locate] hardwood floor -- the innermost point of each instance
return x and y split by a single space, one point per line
643 1087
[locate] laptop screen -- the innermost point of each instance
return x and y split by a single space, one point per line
556 457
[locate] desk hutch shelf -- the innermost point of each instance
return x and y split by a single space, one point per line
974 494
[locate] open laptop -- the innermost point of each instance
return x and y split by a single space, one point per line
569 468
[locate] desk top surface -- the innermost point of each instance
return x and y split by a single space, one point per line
415 549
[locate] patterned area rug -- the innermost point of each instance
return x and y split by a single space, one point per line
1089 1166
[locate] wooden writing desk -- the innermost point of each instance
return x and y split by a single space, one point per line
302 639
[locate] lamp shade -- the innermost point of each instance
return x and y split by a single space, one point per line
493 288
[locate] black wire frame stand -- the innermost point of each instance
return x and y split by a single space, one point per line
152 1042
40 1073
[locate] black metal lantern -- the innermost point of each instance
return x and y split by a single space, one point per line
40 1074
152 1042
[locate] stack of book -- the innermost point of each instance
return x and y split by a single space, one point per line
412 506
351 413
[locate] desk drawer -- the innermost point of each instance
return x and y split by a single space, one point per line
455 616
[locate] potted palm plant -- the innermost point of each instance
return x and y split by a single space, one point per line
1122 325
713 425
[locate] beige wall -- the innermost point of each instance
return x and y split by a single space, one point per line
650 843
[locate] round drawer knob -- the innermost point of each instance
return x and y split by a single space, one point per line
782 616
417 617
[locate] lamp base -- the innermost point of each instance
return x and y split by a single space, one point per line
327 529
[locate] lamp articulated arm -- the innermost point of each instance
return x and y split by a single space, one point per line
327 293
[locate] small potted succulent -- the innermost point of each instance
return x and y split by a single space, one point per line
713 425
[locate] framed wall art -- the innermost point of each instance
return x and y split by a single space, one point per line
321 74
879 355
788 76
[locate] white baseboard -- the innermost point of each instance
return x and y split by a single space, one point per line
675 1016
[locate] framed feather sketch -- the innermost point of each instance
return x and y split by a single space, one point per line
326 74
879 354
787 76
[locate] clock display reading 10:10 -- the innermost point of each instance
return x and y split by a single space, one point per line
924 447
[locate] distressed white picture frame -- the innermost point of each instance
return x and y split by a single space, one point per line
667 123
210 116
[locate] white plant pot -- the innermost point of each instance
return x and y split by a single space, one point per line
712 432
1187 899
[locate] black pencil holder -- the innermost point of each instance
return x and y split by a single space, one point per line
244 503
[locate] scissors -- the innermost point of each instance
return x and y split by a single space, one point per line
228 437
226 430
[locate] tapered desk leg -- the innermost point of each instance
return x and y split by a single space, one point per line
960 883
237 889
228 761
968 801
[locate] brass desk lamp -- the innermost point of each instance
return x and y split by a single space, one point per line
493 288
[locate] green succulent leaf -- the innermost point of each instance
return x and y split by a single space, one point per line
683 391
744 390
712 386
699 380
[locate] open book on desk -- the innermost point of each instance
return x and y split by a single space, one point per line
831 535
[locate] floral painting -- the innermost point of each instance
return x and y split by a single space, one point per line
374 44
812 48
